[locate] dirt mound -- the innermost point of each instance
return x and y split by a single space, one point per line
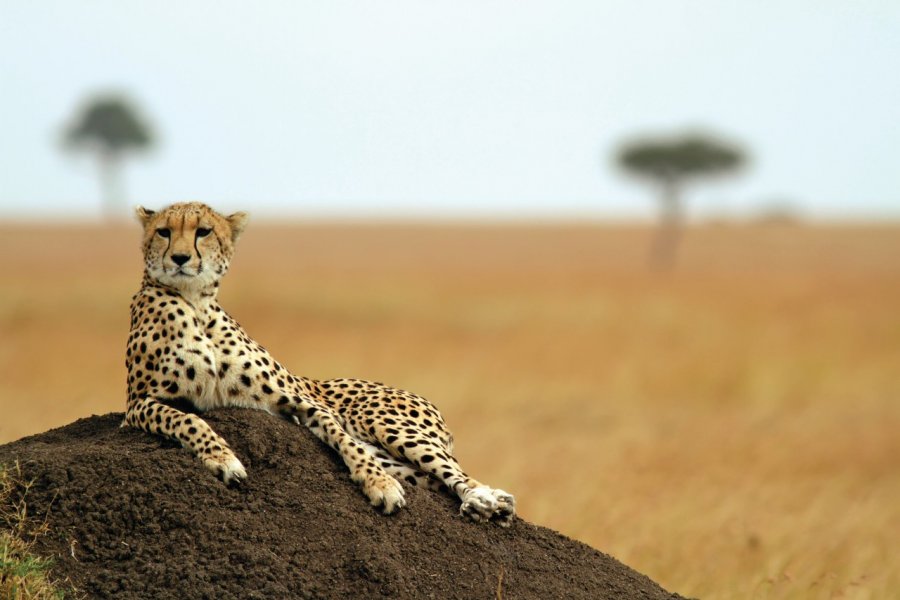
134 516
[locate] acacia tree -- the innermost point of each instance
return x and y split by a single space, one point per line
109 127
670 164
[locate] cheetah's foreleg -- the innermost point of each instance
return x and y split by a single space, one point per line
192 432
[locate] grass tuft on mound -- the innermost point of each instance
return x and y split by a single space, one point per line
22 574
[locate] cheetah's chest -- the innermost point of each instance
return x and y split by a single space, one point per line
225 381
199 367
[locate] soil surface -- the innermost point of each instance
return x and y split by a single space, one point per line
134 516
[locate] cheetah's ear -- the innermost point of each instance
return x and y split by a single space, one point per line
144 214
238 222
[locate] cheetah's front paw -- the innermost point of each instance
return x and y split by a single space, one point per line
226 467
384 491
483 503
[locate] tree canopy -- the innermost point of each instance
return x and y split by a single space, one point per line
669 163
110 125
679 159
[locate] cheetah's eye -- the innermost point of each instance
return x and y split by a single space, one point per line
203 231
164 232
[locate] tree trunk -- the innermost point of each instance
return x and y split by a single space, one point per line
665 244
111 184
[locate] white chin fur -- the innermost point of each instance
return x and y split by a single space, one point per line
182 280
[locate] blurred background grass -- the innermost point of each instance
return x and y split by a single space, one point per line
729 429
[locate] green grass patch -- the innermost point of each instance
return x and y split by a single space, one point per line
22 574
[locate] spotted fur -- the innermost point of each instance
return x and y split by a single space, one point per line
184 346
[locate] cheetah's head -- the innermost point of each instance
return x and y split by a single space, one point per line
188 245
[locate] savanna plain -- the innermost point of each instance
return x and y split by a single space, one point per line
730 428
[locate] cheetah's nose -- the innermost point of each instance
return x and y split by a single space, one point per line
180 259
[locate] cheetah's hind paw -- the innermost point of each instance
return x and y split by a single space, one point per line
386 492
227 468
483 504
506 507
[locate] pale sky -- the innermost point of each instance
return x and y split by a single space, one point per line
463 109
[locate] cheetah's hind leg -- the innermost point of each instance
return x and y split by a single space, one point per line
479 502
402 470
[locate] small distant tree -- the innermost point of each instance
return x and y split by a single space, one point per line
109 127
670 164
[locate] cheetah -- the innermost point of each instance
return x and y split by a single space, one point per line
183 346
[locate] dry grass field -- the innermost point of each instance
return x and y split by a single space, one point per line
732 429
